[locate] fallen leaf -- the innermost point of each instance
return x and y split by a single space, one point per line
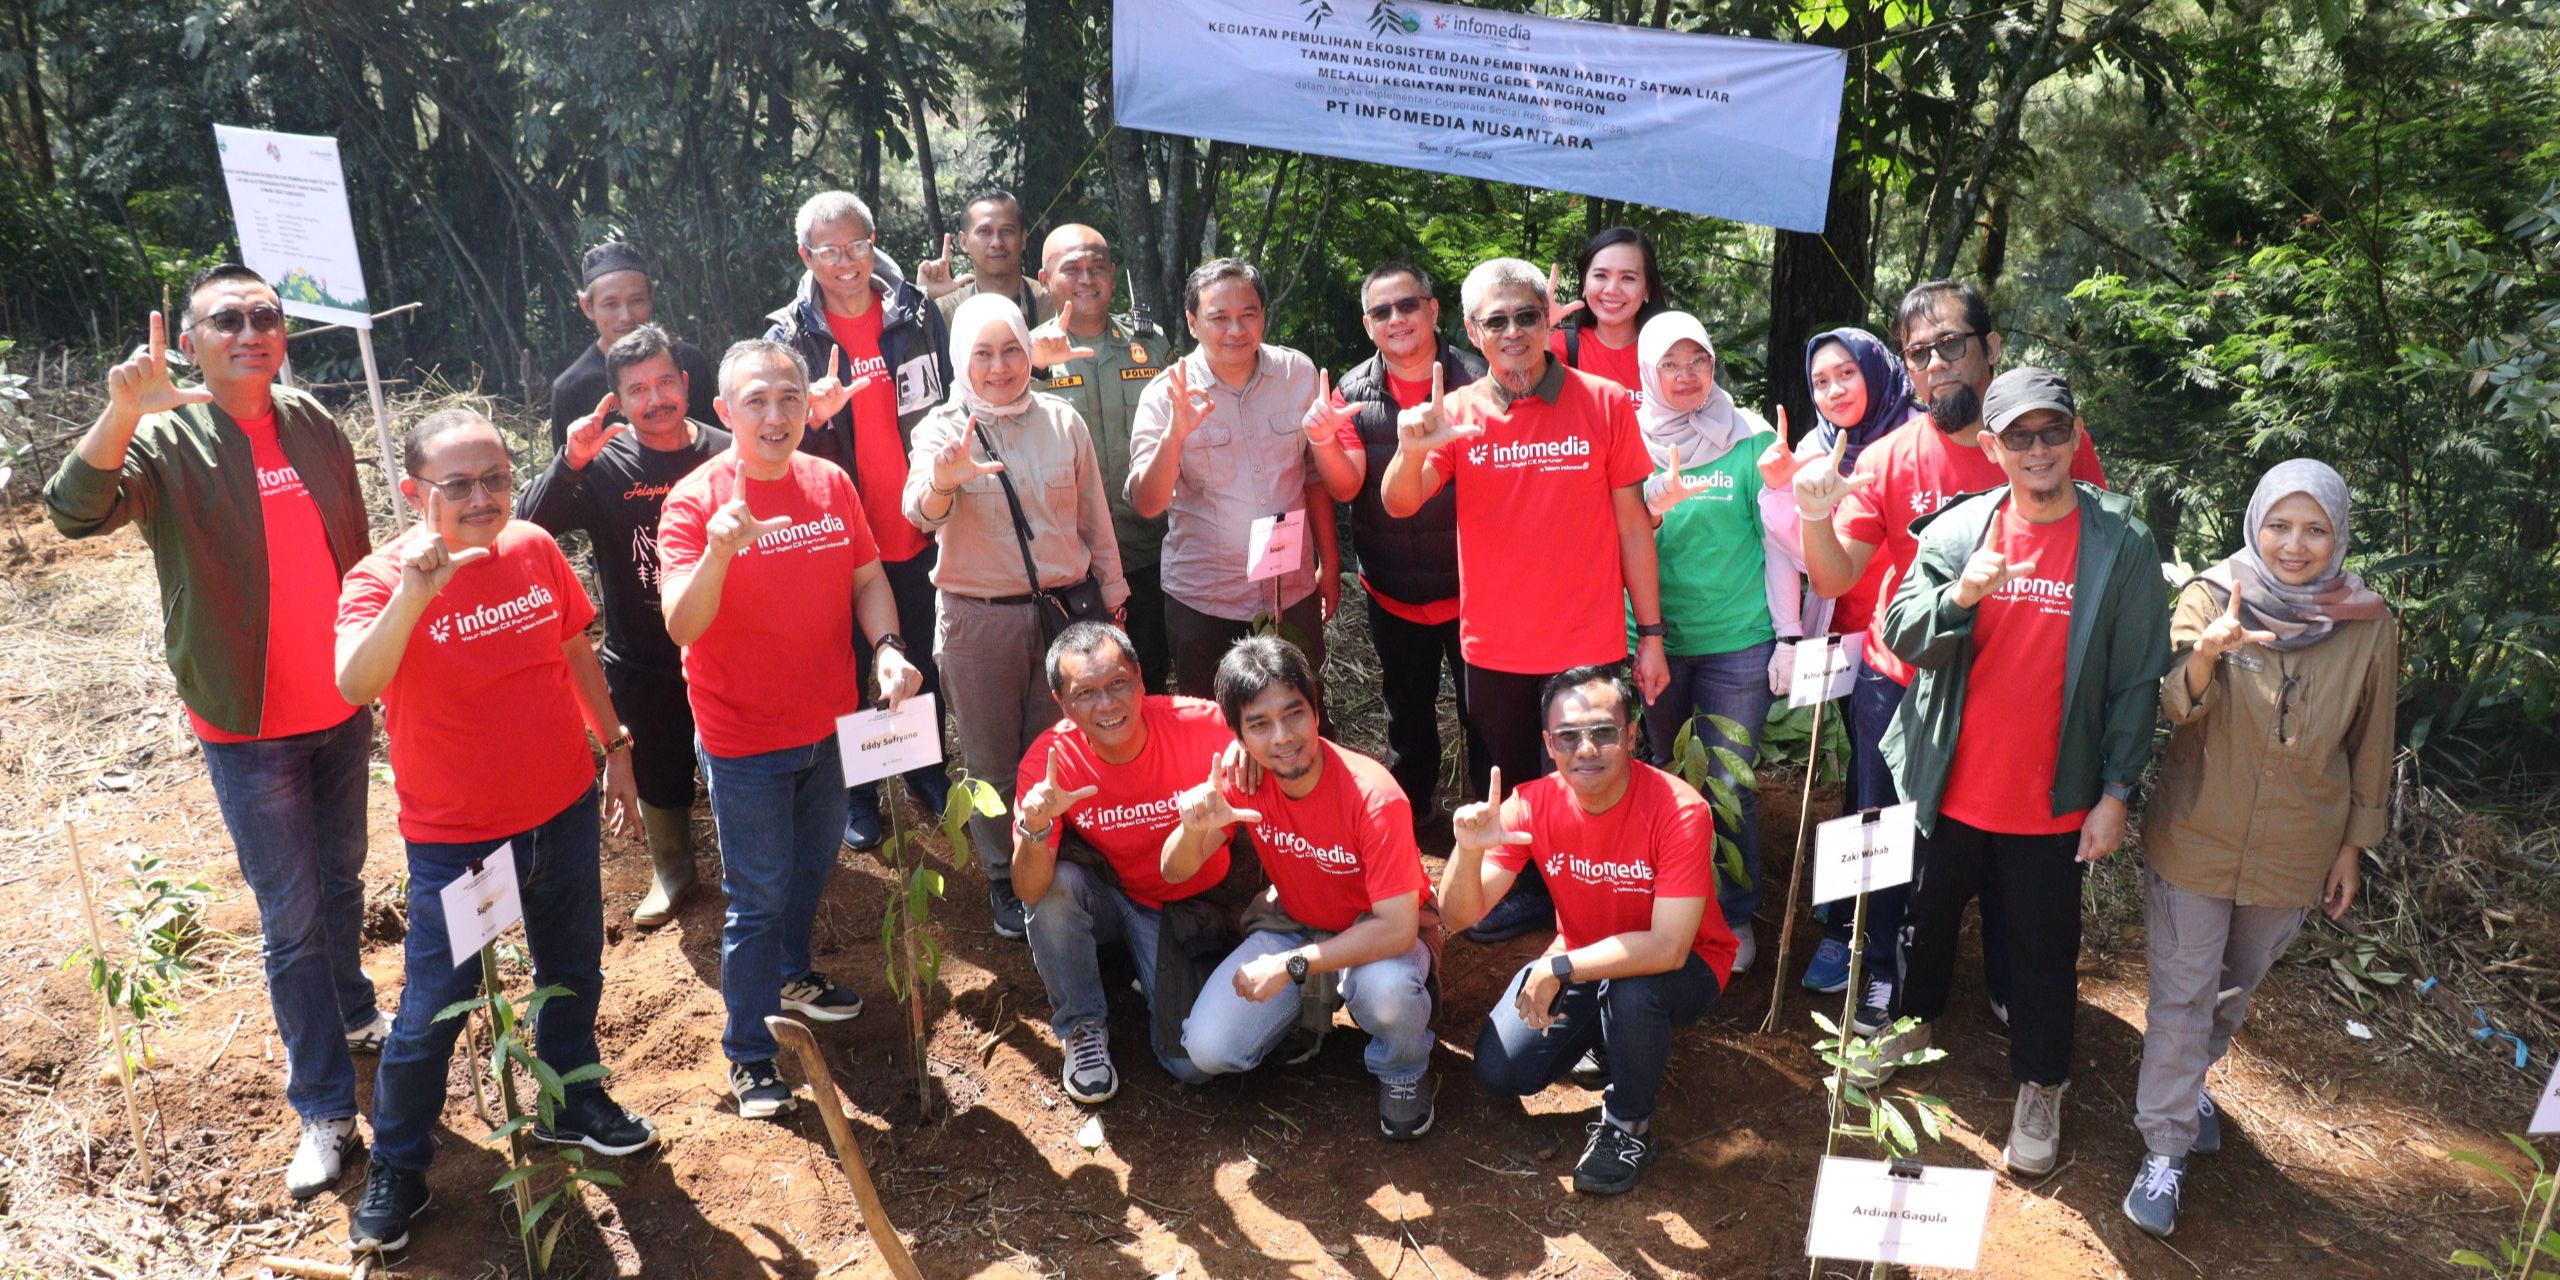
1089 1136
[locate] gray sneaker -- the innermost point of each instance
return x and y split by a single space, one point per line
2035 1128
1889 1053
1088 1075
2152 1202
1404 1110
2208 1128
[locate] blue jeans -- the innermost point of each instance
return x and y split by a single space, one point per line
1736 686
1631 1017
564 931
1389 998
781 819
295 808
1068 926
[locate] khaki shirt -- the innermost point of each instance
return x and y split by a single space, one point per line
1248 459
1034 314
1105 388
1049 459
2262 784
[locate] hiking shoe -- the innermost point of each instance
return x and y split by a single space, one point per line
320 1157
1889 1053
1591 1070
1005 909
1525 908
1088 1075
2035 1128
1829 971
1404 1110
814 995
2152 1202
1875 1009
587 1118
391 1198
761 1092
370 1037
2208 1128
862 819
1613 1161
1746 949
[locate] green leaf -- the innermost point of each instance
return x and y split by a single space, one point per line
508 1130
2526 1146
1726 802
591 1071
2479 1161
1737 768
600 1177
1731 728
1897 1129
513 1176
2470 1258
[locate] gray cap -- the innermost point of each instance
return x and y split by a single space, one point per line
2021 390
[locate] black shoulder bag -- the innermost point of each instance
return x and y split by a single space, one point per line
1060 607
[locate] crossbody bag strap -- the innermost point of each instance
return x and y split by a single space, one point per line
1012 502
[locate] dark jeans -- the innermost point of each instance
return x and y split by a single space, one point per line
1146 625
1410 655
2041 939
655 708
781 819
1200 640
1735 686
1631 1017
564 931
295 808
1873 700
911 582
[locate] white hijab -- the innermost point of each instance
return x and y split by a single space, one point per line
1702 434
968 325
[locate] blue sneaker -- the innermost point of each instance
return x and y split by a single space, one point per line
2208 1126
931 788
862 818
1830 968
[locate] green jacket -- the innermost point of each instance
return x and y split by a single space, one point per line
2111 677
188 479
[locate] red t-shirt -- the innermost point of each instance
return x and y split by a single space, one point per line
1344 848
1605 869
1539 583
879 460
1617 364
1431 613
775 668
487 739
1918 470
2002 777
1133 807
302 602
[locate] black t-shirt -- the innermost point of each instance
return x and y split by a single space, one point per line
575 392
616 499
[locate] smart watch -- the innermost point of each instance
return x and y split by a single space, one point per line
1562 966
1652 630
891 640
1298 967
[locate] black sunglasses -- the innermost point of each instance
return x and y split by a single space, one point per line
231 320
1524 319
1950 348
1400 307
2021 439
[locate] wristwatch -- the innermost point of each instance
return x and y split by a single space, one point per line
1652 630
1562 966
891 640
1027 833
1298 967
621 740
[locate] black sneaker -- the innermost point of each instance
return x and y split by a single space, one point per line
1006 909
1525 908
391 1197
1612 1162
587 1118
814 995
1405 1110
761 1092
1591 1070
1875 1009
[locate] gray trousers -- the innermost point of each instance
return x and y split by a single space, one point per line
2207 956
998 690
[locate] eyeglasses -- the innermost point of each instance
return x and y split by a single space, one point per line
1950 348
231 320
836 255
1698 368
1601 736
2021 439
1400 307
1524 319
1118 690
497 484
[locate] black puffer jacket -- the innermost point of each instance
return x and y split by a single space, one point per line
1413 560
914 345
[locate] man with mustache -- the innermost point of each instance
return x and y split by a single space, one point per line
617 296
991 230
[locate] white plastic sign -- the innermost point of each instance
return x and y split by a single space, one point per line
2546 1113
1863 852
1276 544
480 905
289 204
881 744
1919 1217
1823 670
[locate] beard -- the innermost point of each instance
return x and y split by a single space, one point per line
1955 409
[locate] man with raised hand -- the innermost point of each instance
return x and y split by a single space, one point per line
1626 850
1554 542
472 629
1348 893
882 358
1110 776
1220 442
247 495
610 479
769 563
991 230
2038 622
617 296
1121 355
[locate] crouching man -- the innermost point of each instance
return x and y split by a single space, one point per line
1348 893
1625 849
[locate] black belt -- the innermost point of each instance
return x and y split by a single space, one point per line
1021 599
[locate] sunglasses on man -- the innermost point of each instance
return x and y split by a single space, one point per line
229 321
1400 307
2021 439
497 484
1601 736
1524 319
1950 349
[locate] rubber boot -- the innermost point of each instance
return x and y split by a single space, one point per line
671 859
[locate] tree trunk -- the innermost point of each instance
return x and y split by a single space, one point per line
1054 136
1819 282
1135 225
2024 72
918 123
39 139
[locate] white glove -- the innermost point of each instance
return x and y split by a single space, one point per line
1782 667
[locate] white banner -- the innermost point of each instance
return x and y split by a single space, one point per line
1716 125
289 200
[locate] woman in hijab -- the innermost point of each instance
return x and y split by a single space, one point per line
993 443
1728 588
2276 780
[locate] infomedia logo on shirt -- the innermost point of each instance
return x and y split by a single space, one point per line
1570 454
277 482
809 535
1121 817
503 618
1605 873
1333 858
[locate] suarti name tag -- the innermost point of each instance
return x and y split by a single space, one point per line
1822 670
1275 545
880 744
1902 1212
1863 852
481 904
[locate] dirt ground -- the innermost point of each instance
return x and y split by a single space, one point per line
2335 1164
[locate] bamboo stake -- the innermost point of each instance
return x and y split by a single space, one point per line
107 1015
793 1036
1795 878
2533 1247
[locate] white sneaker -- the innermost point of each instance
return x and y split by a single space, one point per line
370 1037
1746 948
320 1157
1089 1076
2035 1128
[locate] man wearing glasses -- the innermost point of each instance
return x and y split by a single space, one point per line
2039 624
247 495
617 296
1554 542
1625 849
859 326
1949 347
472 629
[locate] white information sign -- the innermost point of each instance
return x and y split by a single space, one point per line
882 744
1277 545
1824 669
1862 1209
2546 1113
289 199
480 905
1718 125
1863 852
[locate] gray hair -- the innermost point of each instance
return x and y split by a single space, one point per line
831 206
750 350
1084 640
1500 273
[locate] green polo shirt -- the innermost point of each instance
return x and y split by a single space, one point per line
1105 388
